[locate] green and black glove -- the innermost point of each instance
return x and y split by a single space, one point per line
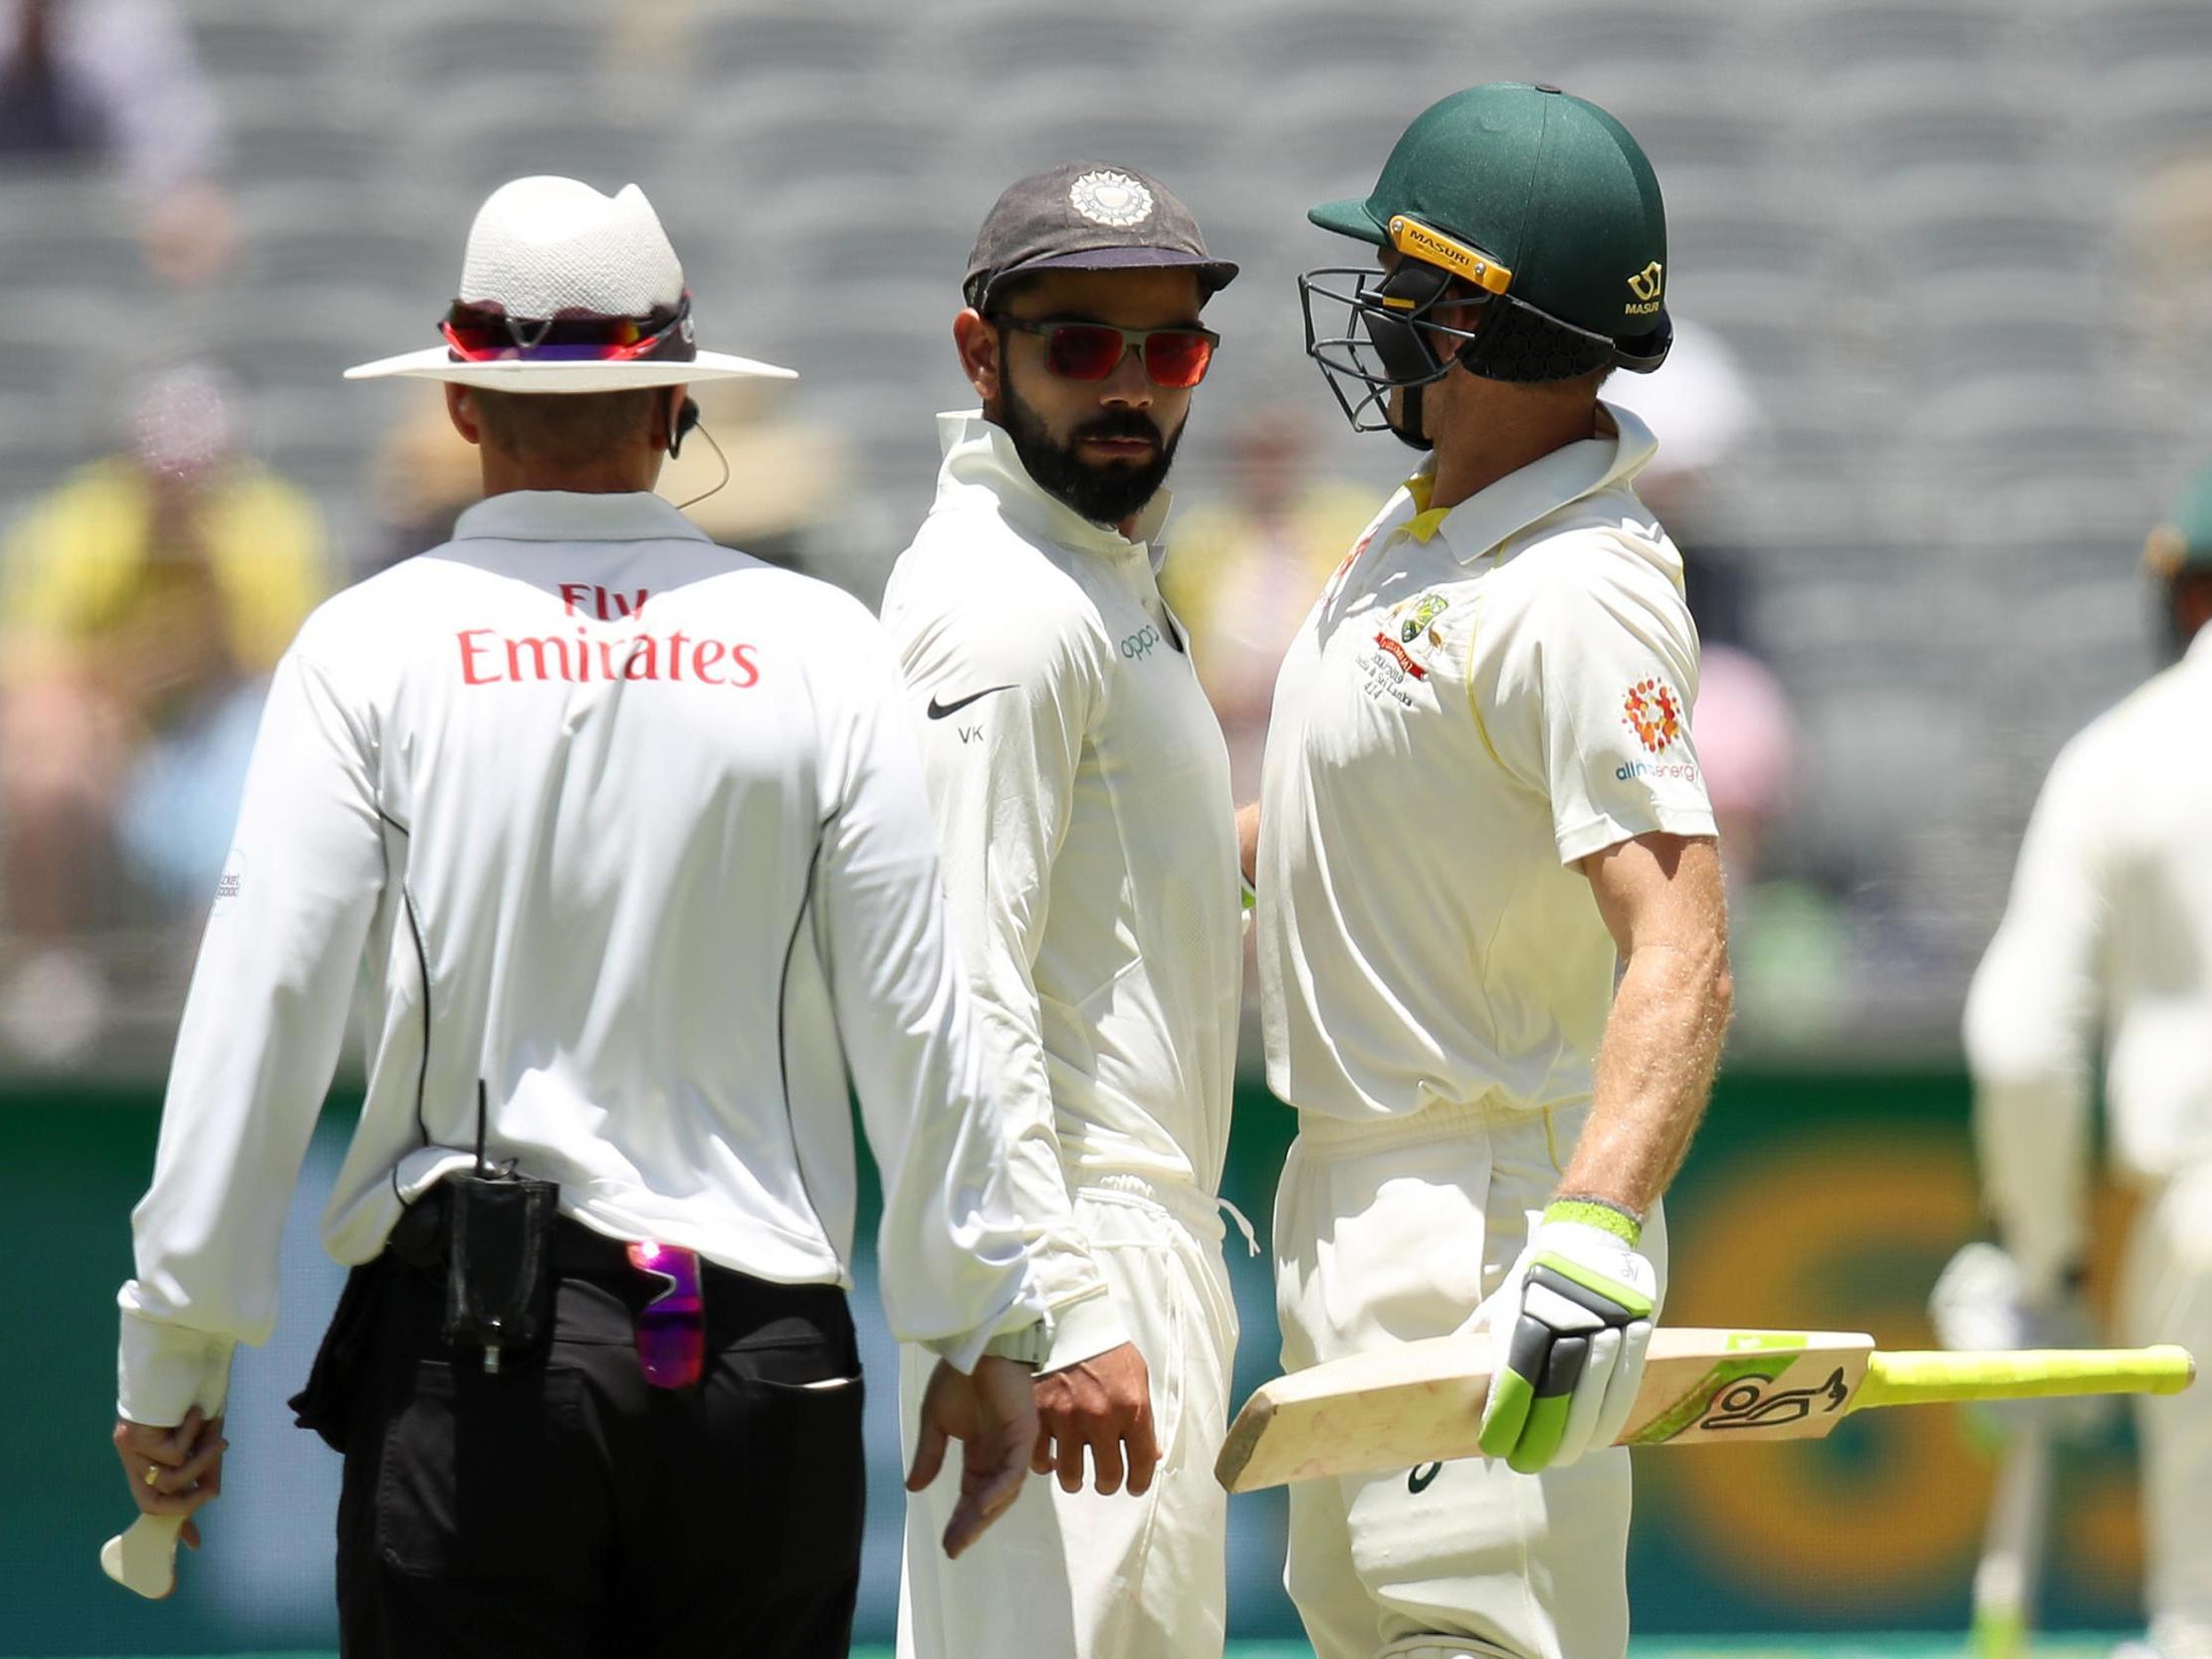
1570 1328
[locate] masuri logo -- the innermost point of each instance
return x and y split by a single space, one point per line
1648 284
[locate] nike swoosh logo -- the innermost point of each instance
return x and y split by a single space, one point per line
1417 1482
938 711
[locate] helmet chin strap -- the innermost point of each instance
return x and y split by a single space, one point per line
1410 431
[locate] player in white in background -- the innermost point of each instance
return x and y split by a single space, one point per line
1479 797
1083 810
632 833
2110 929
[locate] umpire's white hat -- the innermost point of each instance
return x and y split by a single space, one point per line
565 290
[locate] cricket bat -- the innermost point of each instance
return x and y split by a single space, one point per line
143 1558
1422 1402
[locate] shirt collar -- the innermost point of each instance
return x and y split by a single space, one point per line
980 455
569 516
1622 448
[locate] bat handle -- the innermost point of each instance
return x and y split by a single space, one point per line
142 1559
1955 1378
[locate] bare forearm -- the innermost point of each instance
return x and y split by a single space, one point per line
1655 1073
1248 838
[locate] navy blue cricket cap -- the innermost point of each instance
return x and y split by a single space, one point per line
1086 216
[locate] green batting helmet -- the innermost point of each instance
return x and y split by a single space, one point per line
1544 208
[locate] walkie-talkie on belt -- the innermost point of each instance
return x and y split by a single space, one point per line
498 1283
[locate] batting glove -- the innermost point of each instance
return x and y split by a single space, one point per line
1569 1330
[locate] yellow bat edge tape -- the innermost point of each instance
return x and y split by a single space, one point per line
2032 1373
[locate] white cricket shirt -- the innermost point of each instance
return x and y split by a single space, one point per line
632 828
1482 697
1080 784
2110 924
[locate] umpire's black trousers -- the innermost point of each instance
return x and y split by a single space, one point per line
565 1506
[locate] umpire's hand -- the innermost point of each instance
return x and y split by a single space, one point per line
1103 1402
992 1414
174 1471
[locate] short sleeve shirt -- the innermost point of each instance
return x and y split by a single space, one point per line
1482 697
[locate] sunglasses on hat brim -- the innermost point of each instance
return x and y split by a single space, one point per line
1175 359
478 334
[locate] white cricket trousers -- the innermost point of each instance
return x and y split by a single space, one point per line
2166 1297
1084 1576
1390 1232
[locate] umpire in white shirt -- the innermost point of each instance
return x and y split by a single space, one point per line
630 835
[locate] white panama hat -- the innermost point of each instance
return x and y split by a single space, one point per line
548 250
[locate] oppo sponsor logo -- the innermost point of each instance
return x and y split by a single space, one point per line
231 883
1140 645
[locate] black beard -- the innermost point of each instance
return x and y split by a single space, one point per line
1107 494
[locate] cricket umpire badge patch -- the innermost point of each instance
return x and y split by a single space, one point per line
1654 713
1112 199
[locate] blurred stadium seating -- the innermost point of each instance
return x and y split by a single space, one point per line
1911 219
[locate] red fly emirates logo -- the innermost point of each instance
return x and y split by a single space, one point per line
491 658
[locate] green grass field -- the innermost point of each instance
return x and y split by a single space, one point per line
2070 1645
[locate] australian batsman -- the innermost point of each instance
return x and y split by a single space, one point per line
1480 798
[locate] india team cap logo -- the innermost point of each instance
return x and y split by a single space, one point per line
1112 199
1088 216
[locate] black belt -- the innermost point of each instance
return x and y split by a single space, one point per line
577 1251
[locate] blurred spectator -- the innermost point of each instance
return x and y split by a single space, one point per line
1788 940
1699 404
784 477
146 599
2169 219
786 481
423 475
1242 572
117 82
1741 726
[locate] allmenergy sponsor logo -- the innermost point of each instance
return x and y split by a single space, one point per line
1628 771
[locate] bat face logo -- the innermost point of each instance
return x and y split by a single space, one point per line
1748 1404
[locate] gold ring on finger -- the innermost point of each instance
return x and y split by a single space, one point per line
153 1473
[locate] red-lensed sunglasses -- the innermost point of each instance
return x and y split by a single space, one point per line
484 334
1173 358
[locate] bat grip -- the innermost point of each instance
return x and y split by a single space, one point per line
1935 1378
